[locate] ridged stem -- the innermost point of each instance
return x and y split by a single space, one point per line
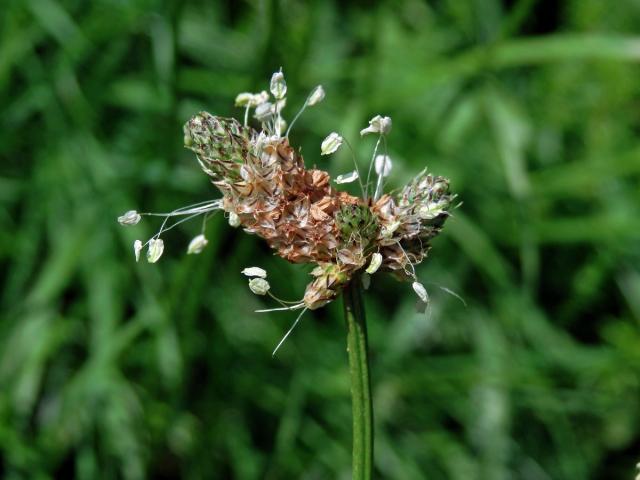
360 383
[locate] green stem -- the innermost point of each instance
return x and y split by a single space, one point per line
360 382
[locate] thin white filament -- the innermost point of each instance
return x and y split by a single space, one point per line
379 184
191 210
355 164
162 229
278 309
205 206
452 293
302 109
246 114
288 332
376 194
277 120
373 159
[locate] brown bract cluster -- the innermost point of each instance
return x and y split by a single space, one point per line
264 182
290 207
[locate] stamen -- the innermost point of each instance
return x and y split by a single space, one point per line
283 302
193 213
376 194
182 220
277 120
316 96
379 185
214 204
191 210
246 114
162 229
373 159
288 332
302 109
206 218
278 309
452 293
355 164
413 269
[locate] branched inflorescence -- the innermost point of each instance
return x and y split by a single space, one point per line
267 190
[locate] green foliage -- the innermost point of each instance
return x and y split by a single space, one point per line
112 369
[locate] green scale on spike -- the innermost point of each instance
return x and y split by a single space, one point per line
221 144
357 222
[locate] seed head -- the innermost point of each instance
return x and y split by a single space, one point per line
267 190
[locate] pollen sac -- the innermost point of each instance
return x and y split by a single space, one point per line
376 261
278 85
244 99
234 220
156 247
330 144
197 244
378 124
316 96
137 247
265 111
130 218
259 286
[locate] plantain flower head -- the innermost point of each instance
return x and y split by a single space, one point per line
266 189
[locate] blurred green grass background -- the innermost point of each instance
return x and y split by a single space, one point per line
111 369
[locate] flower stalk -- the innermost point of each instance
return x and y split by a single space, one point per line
362 406
267 190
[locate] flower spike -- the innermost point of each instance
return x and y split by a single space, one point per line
266 189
